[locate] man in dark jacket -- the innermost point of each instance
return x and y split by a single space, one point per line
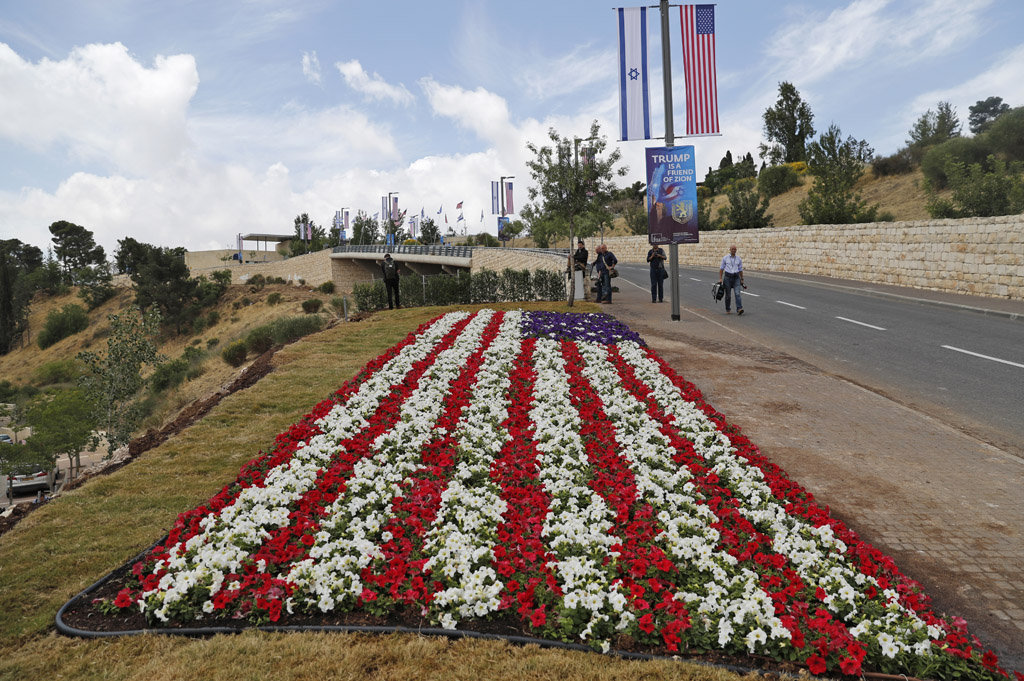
579 262
390 269
606 260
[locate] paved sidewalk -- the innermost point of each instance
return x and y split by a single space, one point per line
949 508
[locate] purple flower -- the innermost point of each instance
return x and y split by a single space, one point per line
577 326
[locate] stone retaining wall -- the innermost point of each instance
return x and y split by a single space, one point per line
313 268
498 259
976 256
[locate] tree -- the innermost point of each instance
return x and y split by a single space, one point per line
113 381
18 262
62 424
836 165
995 188
747 208
787 126
95 284
316 241
364 229
75 248
429 233
564 188
933 127
163 282
705 221
984 113
726 160
513 229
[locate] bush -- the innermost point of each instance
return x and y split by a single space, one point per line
287 329
484 286
370 296
326 287
169 374
274 298
978 192
234 353
256 282
1006 136
312 305
549 285
515 285
212 318
445 289
60 371
259 340
410 291
61 324
212 342
339 306
899 163
777 180
966 150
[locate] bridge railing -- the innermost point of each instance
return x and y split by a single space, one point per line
449 251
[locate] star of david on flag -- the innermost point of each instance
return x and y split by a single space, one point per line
634 95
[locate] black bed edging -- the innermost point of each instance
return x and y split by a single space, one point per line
68 630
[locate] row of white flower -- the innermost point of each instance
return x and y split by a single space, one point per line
228 538
726 599
349 539
462 537
818 556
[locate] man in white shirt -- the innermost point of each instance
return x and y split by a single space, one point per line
730 276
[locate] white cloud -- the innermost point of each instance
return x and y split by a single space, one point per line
311 67
99 104
578 70
373 86
1005 78
483 112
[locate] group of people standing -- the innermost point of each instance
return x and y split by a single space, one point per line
730 273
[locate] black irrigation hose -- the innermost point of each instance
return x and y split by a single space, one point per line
68 630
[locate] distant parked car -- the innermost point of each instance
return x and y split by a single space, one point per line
5 439
29 477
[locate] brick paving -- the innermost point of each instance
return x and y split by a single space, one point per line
946 506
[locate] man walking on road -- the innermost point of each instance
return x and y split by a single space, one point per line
730 275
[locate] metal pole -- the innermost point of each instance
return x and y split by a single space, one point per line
666 67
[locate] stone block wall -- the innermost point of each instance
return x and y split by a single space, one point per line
497 259
313 268
976 256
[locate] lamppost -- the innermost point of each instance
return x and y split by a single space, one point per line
572 215
391 221
501 192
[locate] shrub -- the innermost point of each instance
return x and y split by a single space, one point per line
799 167
339 305
276 280
274 298
549 285
445 289
978 192
59 371
259 340
312 305
169 374
747 208
199 325
287 329
370 296
515 286
777 180
192 353
1006 136
234 353
256 282
326 287
899 163
212 342
61 324
212 318
966 150
484 287
411 290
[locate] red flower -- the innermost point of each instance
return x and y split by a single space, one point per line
539 617
646 623
850 665
816 664
124 598
989 659
368 595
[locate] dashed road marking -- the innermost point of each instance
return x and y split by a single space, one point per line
799 307
854 321
978 354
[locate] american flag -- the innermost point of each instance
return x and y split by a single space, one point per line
698 25
458 206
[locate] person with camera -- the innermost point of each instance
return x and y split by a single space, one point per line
605 264
730 275
656 257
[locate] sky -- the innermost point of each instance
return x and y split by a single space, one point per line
186 123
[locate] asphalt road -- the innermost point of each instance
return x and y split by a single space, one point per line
961 367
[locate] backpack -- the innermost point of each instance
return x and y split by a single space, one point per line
390 269
717 291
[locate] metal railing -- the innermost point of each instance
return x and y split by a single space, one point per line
447 251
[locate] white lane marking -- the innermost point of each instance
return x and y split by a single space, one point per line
693 279
782 302
854 321
976 354
748 293
642 288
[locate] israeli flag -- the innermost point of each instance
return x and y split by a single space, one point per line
494 198
634 96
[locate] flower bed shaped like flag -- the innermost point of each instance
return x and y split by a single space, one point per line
552 469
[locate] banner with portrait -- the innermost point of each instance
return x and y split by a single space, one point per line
671 196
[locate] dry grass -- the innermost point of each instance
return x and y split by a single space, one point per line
71 542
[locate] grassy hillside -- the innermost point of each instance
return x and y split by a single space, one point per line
240 311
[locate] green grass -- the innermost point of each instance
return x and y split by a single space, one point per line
76 539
